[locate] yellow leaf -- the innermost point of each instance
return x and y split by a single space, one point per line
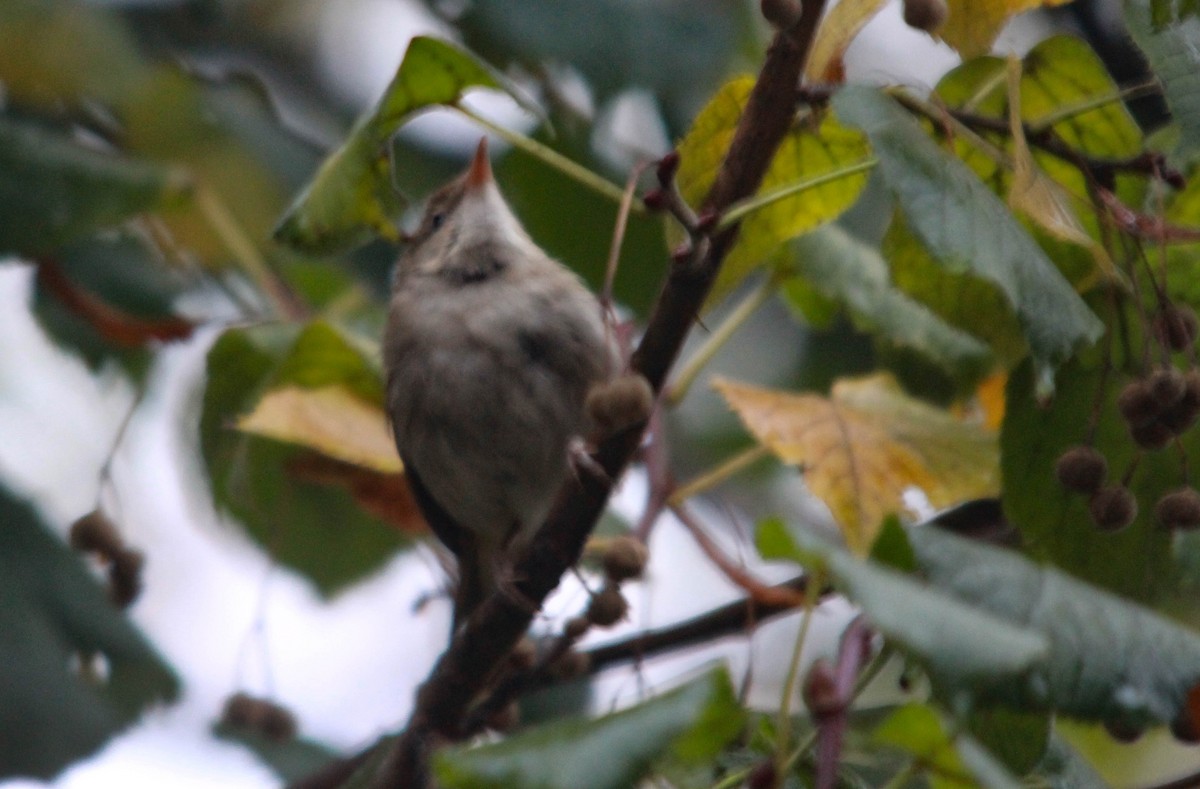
1038 196
866 444
973 25
817 145
837 30
329 419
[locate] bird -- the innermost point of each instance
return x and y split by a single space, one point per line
490 350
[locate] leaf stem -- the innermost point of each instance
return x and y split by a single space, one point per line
245 252
742 208
691 369
784 724
545 153
1072 110
716 476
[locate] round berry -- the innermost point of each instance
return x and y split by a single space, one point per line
95 533
1167 386
1180 417
1151 435
1081 469
1137 404
926 15
625 558
1179 509
1113 508
607 607
1123 731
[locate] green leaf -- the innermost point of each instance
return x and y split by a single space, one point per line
854 273
891 548
352 196
816 146
676 50
1175 59
1109 659
52 612
968 303
53 189
291 759
316 529
952 762
1134 562
612 752
962 648
968 229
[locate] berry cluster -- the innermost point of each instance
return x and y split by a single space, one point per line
1157 408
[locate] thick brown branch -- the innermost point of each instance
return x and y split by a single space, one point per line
479 648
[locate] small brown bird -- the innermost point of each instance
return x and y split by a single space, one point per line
491 349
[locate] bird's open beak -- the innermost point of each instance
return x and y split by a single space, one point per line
480 172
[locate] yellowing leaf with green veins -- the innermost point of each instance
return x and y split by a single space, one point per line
817 145
973 25
866 444
352 196
329 419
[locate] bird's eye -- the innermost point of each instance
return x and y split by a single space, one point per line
436 220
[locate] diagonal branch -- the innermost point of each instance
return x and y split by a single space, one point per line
478 650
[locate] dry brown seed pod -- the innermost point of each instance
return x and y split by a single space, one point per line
125 577
1179 509
1113 508
607 607
926 15
1180 417
1167 386
1137 404
575 628
1184 729
278 723
625 558
242 711
619 403
96 533
1175 326
1151 435
1081 469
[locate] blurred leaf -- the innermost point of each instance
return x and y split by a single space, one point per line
964 649
52 189
1134 562
968 303
385 495
53 51
1066 769
675 49
305 522
112 324
967 229
53 612
612 752
891 548
854 273
1017 740
918 731
817 145
973 25
328 419
866 444
291 759
352 196
1109 659
1167 12
1175 59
